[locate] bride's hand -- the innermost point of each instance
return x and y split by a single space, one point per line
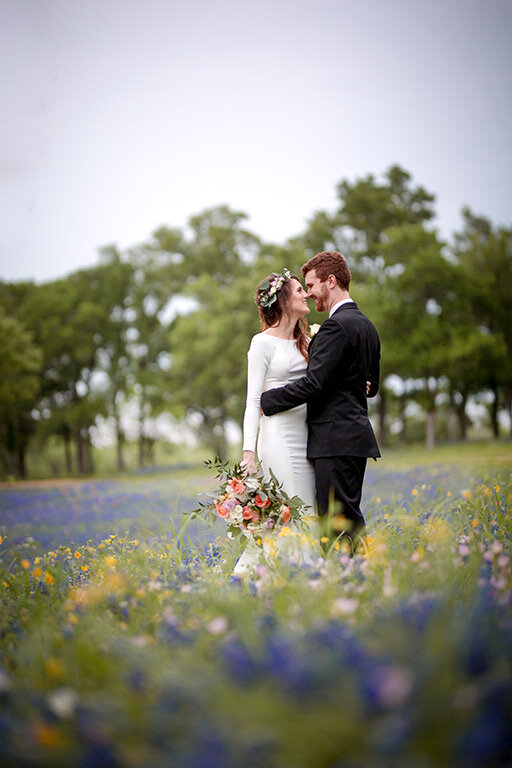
248 463
368 385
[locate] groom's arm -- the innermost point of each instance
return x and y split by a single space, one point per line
323 364
374 373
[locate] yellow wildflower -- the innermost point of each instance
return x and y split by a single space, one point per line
53 667
25 564
78 555
84 568
47 736
414 491
36 573
48 577
324 540
474 523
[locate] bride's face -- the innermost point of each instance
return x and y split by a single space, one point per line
297 304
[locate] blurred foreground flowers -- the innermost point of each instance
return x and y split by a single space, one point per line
149 653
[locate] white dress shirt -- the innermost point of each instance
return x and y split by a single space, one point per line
338 305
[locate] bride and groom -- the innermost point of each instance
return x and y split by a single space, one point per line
306 414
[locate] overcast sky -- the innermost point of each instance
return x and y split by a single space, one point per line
122 115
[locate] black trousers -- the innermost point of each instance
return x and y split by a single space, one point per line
340 479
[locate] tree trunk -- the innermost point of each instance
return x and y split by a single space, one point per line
11 448
89 456
383 402
141 431
430 437
509 408
150 450
215 435
121 466
494 414
403 418
80 452
20 459
430 441
463 417
67 452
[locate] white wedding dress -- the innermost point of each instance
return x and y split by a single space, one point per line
279 441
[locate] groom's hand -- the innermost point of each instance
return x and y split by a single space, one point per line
368 385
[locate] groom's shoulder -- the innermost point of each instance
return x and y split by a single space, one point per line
350 315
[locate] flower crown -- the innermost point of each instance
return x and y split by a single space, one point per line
269 288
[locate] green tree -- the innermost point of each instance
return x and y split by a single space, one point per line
20 361
68 322
160 268
209 345
484 254
367 209
208 372
114 357
415 320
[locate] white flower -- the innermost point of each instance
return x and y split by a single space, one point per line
345 605
313 329
251 483
63 701
217 626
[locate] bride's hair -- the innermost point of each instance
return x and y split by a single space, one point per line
271 315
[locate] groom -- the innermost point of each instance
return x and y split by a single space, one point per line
343 356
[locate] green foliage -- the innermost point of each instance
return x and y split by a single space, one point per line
165 326
19 364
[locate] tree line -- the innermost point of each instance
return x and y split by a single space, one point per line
165 325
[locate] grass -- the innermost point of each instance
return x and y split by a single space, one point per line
142 650
477 455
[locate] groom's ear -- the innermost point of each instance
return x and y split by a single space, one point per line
331 281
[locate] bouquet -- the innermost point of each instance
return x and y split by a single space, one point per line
249 505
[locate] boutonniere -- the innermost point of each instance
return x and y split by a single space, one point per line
313 329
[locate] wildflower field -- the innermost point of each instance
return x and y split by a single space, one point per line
125 640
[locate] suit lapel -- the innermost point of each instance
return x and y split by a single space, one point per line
348 305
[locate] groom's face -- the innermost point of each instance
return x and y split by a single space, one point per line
317 290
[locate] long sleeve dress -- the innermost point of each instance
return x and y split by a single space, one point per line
279 441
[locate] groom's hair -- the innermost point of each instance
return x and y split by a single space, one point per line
329 263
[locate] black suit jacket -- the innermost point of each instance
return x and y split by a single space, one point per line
344 354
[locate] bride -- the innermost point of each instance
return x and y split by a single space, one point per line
277 355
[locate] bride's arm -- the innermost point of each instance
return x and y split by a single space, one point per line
258 358
248 463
